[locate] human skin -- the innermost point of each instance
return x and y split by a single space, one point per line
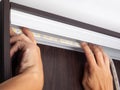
30 75
97 74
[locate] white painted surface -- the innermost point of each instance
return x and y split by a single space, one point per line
60 29
103 13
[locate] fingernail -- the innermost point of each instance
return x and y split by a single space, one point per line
24 28
90 44
83 43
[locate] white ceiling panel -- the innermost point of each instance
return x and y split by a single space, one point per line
103 13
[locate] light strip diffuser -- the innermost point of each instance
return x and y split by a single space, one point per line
59 34
60 42
52 40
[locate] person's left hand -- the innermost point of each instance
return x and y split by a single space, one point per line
97 74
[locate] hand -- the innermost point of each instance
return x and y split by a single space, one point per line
97 74
30 75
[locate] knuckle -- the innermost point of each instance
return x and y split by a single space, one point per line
89 54
21 36
18 42
97 52
33 47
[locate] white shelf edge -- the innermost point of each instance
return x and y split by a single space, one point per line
47 26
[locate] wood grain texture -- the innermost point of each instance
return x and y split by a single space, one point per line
117 65
5 63
64 69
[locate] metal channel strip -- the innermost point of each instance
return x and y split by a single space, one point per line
75 44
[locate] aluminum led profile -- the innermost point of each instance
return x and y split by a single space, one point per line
50 32
52 40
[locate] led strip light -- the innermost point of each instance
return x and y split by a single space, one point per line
52 40
60 42
53 33
67 44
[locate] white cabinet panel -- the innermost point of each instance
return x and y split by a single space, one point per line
103 13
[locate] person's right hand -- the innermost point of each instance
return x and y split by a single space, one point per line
30 55
97 74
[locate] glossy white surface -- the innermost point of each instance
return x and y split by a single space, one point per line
103 13
63 35
60 29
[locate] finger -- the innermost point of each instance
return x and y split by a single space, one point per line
86 70
89 55
20 37
29 34
98 54
105 57
12 33
85 77
16 47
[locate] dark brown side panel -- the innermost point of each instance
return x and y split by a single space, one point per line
117 65
64 69
5 63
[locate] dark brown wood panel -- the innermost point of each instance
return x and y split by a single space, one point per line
64 69
5 63
117 65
